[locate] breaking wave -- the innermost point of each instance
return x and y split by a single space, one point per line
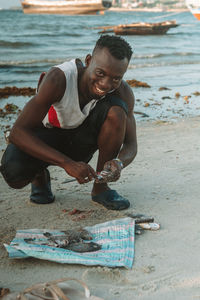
15 45
171 54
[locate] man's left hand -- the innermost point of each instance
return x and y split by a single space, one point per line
111 171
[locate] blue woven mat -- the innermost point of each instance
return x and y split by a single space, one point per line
116 238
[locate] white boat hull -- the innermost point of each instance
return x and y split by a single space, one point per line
62 7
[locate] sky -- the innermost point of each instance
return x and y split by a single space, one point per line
9 3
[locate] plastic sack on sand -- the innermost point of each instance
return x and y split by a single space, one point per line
116 238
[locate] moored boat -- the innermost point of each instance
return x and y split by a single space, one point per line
66 7
194 7
139 28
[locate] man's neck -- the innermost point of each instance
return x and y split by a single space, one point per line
84 97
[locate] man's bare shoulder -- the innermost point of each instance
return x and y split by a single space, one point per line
54 76
126 94
54 83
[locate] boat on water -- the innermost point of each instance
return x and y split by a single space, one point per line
194 7
139 28
65 7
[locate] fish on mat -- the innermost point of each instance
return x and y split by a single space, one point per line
74 240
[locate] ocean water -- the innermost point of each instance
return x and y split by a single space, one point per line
30 44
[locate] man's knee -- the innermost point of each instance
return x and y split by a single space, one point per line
116 118
14 175
18 185
19 168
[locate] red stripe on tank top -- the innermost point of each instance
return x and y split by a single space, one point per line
53 118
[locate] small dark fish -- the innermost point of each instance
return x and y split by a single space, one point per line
140 218
73 240
138 230
82 247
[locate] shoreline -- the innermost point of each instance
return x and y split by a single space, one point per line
159 104
123 9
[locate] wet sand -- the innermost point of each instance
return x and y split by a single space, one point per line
163 182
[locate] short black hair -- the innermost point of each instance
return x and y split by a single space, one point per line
116 45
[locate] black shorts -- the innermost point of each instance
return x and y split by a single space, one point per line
79 143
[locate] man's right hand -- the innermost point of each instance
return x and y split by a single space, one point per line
81 171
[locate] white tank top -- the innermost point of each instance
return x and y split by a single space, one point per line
67 113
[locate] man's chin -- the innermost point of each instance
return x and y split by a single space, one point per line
99 96
96 95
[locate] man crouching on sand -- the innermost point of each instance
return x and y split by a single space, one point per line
77 110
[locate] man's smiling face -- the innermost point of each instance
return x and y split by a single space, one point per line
104 72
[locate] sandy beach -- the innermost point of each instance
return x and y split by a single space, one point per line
162 182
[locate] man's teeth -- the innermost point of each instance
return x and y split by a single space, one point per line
100 91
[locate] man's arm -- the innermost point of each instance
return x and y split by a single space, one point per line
51 90
129 148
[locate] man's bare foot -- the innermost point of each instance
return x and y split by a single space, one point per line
98 188
41 178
